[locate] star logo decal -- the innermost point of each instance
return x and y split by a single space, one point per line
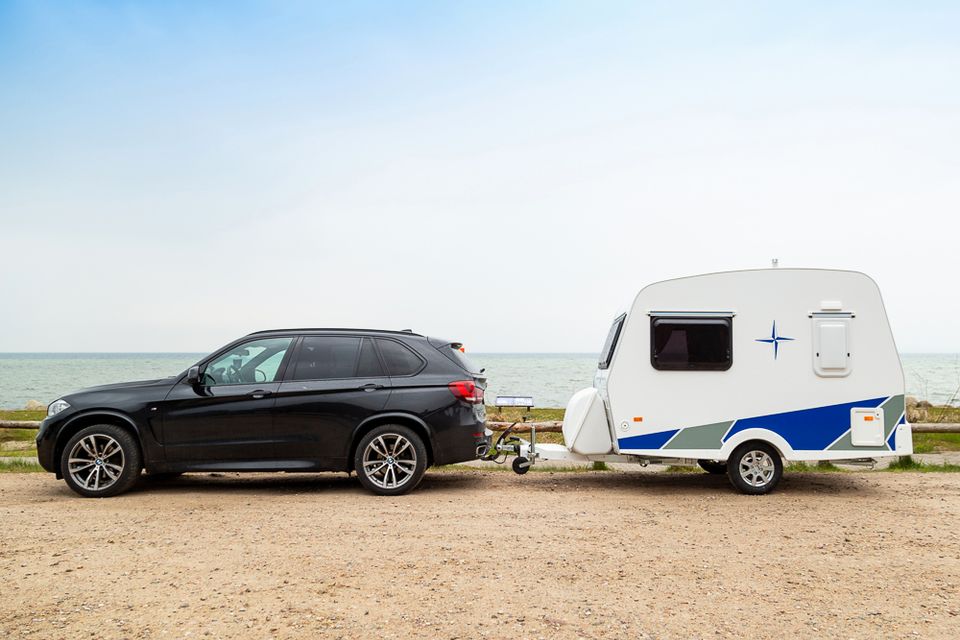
774 339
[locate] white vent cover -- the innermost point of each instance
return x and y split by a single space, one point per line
831 347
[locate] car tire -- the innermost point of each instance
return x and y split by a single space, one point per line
755 468
713 467
101 461
390 460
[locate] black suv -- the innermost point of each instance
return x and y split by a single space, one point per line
386 404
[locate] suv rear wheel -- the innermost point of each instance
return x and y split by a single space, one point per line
390 460
100 461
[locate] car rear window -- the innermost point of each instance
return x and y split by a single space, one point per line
400 360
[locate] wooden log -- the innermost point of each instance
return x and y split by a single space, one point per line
553 426
19 424
936 427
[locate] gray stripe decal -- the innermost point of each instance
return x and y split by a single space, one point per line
707 436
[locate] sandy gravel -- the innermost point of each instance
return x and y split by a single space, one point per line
484 554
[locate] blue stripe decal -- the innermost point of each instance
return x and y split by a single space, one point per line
807 429
646 441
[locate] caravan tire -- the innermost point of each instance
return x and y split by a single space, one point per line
713 467
754 468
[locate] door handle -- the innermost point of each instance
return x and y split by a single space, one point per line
370 387
259 393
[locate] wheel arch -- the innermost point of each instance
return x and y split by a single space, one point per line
405 419
90 418
766 436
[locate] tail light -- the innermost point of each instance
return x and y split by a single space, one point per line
467 390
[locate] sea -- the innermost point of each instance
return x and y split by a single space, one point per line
551 378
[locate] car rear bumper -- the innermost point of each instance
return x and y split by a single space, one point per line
461 442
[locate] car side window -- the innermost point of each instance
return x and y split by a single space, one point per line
248 363
400 360
369 365
327 357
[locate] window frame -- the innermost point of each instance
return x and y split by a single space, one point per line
607 358
725 319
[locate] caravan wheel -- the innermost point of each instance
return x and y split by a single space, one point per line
755 468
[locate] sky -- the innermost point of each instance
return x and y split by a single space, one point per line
509 174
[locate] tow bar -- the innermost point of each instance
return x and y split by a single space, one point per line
508 444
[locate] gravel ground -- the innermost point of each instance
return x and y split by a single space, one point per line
484 554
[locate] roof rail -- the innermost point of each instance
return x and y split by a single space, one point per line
406 332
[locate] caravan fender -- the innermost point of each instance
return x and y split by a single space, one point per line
764 435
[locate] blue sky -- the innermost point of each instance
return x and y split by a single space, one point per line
175 174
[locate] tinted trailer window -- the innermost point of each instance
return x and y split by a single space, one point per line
691 344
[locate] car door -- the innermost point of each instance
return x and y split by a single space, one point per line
333 383
228 415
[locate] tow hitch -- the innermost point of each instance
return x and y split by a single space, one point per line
510 445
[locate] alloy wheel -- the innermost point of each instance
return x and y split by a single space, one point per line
757 468
389 461
96 462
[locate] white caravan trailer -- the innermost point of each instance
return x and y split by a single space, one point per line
739 371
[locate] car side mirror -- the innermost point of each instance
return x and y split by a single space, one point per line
193 375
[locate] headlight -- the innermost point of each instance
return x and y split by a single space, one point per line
56 407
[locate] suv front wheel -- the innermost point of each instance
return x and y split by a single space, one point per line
100 461
390 460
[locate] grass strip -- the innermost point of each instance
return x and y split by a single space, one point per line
20 466
907 463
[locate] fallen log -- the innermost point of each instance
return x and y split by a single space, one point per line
553 426
19 424
936 427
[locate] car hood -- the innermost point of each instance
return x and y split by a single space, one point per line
119 386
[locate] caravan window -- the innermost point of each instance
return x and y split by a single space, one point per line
691 344
610 344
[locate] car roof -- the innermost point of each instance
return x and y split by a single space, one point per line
405 332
